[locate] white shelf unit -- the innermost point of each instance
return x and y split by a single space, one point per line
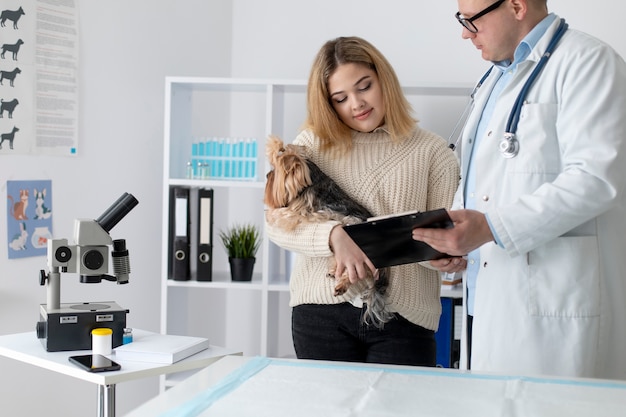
249 316
252 317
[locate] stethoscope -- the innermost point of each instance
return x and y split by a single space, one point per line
509 145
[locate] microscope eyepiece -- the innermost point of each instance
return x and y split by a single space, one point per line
117 211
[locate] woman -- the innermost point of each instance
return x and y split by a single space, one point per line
360 131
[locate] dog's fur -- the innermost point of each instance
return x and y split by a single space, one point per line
297 191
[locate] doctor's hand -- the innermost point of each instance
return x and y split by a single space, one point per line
349 258
470 231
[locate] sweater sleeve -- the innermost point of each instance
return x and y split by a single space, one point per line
443 179
310 239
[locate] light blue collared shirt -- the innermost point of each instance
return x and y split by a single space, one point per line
506 71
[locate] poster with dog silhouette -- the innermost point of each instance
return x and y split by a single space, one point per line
29 217
38 77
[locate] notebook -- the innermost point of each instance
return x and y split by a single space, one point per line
160 348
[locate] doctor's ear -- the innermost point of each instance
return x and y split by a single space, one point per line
520 8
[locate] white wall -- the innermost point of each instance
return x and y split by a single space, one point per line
127 48
421 38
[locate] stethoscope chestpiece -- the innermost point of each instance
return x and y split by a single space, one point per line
509 145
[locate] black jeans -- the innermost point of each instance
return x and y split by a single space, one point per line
335 332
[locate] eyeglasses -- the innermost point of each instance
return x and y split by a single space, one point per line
467 23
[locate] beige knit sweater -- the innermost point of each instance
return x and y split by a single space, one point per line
420 173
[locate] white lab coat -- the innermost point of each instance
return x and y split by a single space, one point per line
552 301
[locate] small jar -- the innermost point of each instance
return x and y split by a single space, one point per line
101 341
127 337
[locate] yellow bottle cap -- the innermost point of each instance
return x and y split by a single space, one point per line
101 332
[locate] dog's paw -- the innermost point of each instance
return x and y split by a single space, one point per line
343 283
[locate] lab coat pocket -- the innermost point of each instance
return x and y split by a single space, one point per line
564 278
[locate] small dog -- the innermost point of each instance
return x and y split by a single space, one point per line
9 75
9 136
13 15
13 48
298 191
8 106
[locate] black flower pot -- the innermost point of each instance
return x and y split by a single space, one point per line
241 268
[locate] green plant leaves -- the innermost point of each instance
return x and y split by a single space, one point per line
241 241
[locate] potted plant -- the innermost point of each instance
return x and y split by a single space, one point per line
241 243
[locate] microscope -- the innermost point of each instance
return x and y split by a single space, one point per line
63 327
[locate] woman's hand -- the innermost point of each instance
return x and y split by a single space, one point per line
349 258
449 265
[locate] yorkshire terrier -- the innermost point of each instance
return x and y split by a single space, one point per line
298 191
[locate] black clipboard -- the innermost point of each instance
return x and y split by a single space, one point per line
387 240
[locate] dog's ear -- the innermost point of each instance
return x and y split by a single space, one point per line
269 197
280 188
273 149
275 195
285 182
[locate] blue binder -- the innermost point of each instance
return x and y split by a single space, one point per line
448 347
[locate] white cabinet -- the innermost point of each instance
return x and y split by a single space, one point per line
252 317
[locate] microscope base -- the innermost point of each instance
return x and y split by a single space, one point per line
69 327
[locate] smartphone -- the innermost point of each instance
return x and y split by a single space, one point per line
95 363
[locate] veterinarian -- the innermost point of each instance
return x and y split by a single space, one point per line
541 210
360 131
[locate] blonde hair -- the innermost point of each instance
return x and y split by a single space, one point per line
321 116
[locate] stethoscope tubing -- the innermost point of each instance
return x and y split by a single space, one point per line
511 126
509 145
